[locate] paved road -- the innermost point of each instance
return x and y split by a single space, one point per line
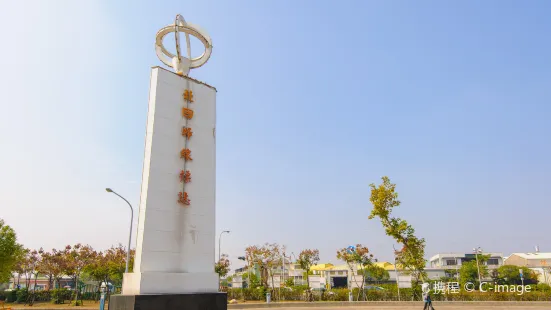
439 307
402 306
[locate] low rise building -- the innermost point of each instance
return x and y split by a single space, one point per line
41 283
539 262
452 261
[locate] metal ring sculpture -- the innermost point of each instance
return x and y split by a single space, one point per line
180 64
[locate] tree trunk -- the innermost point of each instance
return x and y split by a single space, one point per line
50 281
76 290
272 277
98 293
355 282
35 279
264 276
308 278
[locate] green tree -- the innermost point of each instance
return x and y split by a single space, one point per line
306 259
116 261
254 283
97 269
510 275
376 274
469 273
18 267
359 259
25 267
411 256
10 251
450 275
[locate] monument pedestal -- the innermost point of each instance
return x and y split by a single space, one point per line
140 283
188 301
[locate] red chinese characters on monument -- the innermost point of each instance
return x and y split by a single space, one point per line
188 95
183 198
185 153
185 176
187 113
187 132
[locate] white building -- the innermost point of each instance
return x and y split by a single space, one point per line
455 260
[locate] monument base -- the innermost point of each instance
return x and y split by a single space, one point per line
188 301
144 283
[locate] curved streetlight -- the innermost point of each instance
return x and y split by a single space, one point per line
219 241
131 221
293 253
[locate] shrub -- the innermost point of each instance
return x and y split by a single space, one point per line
89 296
59 295
10 296
543 287
22 295
390 293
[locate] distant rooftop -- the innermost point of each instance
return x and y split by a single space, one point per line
533 255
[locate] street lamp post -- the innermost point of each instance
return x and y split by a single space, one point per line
456 268
131 222
396 272
219 253
476 251
219 242
296 261
293 253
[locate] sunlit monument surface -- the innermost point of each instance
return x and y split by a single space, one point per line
174 263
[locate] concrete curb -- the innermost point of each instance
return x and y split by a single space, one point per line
377 304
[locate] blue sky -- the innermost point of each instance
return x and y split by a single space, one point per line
316 100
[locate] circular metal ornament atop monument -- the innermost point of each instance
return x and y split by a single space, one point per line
180 64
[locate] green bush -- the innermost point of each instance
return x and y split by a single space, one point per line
22 295
59 295
10 296
390 293
543 287
338 294
42 296
89 296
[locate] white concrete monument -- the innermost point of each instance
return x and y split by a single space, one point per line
176 223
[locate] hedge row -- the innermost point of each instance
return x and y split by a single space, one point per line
57 296
388 294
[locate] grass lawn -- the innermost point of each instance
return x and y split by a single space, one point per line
88 304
